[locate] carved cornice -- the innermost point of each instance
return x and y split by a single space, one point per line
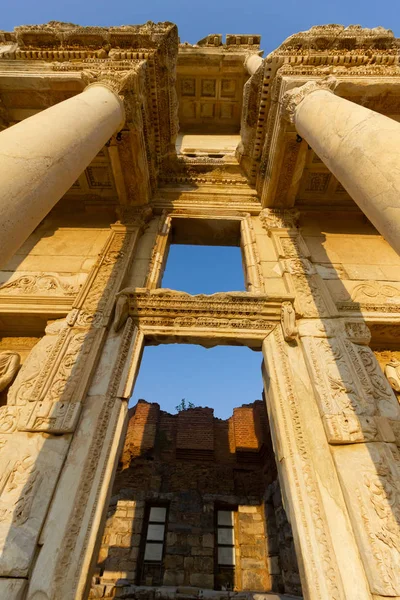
202 170
136 62
337 39
68 38
294 97
328 49
244 317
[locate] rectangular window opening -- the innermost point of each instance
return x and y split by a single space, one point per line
225 556
204 257
153 545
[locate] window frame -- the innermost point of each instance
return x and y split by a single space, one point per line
144 541
219 568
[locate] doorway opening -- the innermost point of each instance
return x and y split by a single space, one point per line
197 454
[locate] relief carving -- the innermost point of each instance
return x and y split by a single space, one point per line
36 367
370 479
9 365
23 474
392 372
275 218
288 321
358 332
355 399
382 393
40 284
334 380
29 469
164 309
374 292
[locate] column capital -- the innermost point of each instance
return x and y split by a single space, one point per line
294 97
124 84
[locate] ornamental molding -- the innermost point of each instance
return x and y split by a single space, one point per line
294 97
220 318
338 40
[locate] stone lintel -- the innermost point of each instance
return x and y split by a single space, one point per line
223 318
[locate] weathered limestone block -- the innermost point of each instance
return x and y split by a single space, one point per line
12 589
30 466
370 475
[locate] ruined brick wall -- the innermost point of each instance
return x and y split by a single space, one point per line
194 463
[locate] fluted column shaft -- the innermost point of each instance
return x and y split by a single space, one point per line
359 146
42 156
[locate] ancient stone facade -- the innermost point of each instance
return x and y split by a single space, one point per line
294 158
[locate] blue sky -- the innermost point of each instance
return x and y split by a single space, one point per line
222 377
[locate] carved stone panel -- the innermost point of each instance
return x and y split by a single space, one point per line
29 469
370 476
42 284
355 400
46 394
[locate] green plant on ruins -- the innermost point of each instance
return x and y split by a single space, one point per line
183 405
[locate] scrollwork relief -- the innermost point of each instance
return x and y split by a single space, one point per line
40 284
374 292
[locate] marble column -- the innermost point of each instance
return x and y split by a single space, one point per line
252 63
42 156
359 146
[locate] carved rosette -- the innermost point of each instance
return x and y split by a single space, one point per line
293 98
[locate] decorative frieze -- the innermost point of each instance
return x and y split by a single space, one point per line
219 318
41 284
